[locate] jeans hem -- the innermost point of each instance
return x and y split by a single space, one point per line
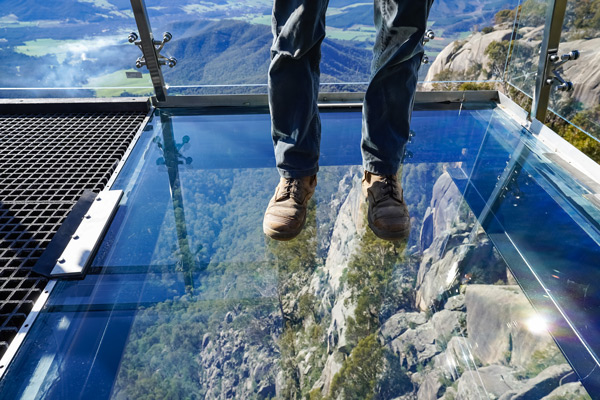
296 174
379 169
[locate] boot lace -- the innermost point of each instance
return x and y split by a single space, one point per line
291 188
390 188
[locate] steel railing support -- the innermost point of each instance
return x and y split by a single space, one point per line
555 16
147 45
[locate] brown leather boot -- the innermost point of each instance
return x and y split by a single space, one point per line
286 212
387 214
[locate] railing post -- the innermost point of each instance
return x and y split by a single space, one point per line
147 44
552 32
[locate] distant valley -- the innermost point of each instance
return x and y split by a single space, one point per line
83 44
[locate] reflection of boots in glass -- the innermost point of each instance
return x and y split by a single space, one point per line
295 261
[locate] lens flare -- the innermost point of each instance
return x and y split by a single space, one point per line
537 324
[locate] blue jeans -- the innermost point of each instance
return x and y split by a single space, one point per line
298 30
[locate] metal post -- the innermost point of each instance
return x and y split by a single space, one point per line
552 32
147 39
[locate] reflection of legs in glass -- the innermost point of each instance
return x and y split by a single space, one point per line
295 263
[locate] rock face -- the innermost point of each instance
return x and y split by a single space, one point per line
459 57
496 325
399 323
486 382
344 240
229 358
543 384
346 228
438 273
476 343
468 58
431 387
572 390
453 256
417 343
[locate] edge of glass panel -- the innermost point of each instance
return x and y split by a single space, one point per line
324 99
565 150
18 340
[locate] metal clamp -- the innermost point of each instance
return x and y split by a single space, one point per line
158 46
429 35
556 62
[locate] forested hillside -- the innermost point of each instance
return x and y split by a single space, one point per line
83 44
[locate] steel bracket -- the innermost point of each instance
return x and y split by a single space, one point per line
553 73
429 35
158 46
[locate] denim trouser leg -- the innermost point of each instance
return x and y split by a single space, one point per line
388 103
299 29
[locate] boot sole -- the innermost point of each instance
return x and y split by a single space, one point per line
387 235
283 236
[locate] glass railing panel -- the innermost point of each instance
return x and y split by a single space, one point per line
187 298
225 47
580 107
221 47
525 49
472 44
75 49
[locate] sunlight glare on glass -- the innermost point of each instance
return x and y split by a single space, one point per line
537 324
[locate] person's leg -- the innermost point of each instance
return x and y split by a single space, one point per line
298 30
387 109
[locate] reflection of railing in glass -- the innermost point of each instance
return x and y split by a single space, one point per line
171 158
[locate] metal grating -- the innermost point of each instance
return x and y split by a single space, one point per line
46 162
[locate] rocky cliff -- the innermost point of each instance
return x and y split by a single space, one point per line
467 60
367 319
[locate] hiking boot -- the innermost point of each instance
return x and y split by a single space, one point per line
387 212
286 212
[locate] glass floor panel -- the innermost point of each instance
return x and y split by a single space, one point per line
187 299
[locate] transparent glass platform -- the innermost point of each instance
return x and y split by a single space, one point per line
187 298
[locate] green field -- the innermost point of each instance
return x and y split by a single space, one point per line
257 19
62 48
118 83
358 33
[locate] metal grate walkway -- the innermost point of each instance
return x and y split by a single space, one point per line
46 162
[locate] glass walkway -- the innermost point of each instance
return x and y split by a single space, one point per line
187 299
